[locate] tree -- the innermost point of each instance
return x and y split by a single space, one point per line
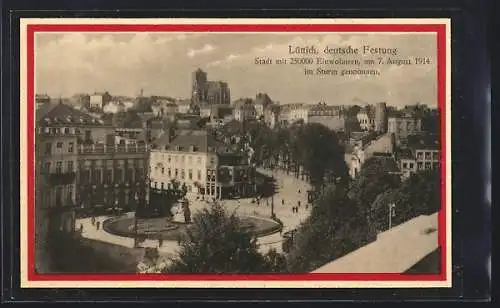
418 195
161 201
217 242
336 227
374 179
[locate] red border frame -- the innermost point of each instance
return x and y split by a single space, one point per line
439 29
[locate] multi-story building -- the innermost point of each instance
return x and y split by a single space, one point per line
56 167
218 93
292 113
215 111
113 174
402 126
189 157
327 115
366 118
197 160
199 87
244 110
99 100
106 170
271 115
419 156
204 91
262 103
184 106
380 119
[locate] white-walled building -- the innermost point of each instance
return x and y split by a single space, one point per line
190 158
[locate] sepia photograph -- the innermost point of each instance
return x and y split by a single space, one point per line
181 153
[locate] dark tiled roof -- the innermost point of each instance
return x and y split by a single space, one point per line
61 114
185 139
405 154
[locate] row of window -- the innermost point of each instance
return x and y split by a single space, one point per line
110 176
59 167
431 155
421 166
60 146
175 173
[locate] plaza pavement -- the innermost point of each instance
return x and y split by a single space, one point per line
288 190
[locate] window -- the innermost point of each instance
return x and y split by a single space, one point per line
88 135
70 166
405 165
66 130
156 184
59 145
48 148
47 167
190 174
162 170
190 159
108 176
169 158
183 174
199 175
212 161
169 172
420 165
427 166
199 160
435 155
59 167
419 155
411 165
183 158
162 185
176 172
427 155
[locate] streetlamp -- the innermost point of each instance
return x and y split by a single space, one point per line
392 213
135 220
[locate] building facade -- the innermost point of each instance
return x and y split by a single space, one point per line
218 93
244 110
112 175
366 118
204 91
206 167
90 167
403 126
380 119
99 100
327 115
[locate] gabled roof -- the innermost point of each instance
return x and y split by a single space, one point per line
185 139
61 114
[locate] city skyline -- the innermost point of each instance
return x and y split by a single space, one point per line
161 64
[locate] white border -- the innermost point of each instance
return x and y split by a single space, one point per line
224 284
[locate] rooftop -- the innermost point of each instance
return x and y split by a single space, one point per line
62 114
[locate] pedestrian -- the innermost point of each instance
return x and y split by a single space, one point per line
160 242
93 220
97 224
282 201
307 206
81 228
298 203
299 191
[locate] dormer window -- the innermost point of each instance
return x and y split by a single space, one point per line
177 148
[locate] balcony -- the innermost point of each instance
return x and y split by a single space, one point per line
62 178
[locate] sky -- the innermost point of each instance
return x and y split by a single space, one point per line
162 63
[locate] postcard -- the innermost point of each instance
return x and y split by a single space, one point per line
248 153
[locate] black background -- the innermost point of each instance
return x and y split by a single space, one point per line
471 51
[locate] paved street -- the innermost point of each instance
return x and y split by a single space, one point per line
288 191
